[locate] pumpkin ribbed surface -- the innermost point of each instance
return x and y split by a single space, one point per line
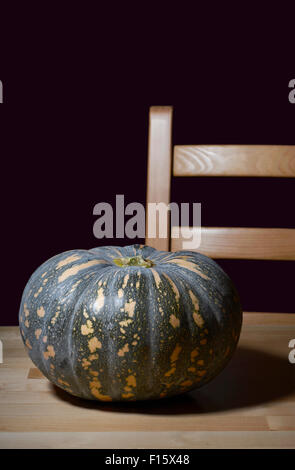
129 323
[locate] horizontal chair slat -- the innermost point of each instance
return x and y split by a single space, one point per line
240 243
234 160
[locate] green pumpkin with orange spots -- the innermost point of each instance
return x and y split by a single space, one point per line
130 323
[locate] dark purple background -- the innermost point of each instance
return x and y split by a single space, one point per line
74 133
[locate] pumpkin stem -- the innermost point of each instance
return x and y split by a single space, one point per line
133 261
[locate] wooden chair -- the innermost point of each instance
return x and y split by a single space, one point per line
216 160
250 405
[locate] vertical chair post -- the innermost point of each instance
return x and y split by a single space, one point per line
159 171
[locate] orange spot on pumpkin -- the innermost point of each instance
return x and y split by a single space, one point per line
131 381
41 312
127 395
38 333
201 373
122 351
49 353
63 382
94 344
174 321
170 372
194 353
175 354
186 383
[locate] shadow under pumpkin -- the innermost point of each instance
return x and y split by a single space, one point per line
251 378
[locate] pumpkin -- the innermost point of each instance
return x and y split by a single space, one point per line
130 323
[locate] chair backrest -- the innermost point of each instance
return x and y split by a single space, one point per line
215 160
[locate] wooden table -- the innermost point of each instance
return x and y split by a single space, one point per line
250 405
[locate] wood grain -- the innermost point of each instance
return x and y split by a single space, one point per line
159 170
240 243
253 400
35 373
234 160
149 440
